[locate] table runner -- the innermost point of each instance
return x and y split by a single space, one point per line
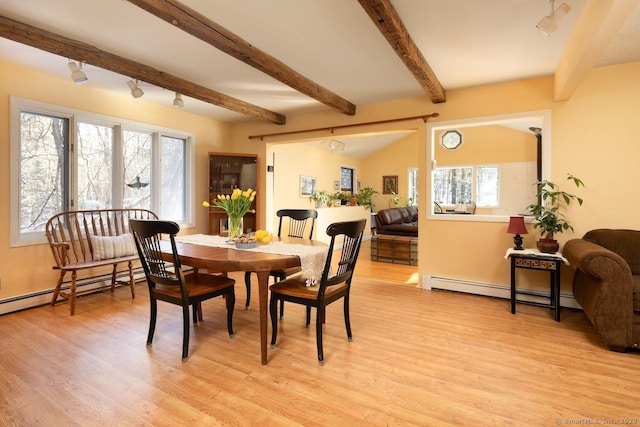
312 258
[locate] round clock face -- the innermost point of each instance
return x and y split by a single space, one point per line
451 139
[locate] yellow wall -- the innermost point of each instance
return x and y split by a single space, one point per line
394 159
488 144
27 269
593 135
294 160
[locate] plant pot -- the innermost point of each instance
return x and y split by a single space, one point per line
548 246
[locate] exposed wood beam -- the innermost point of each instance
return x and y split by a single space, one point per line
384 15
600 22
208 31
63 46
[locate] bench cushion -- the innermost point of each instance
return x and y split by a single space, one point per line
107 247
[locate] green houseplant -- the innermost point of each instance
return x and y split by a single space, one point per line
320 198
547 214
364 196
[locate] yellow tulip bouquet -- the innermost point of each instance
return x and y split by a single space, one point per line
236 206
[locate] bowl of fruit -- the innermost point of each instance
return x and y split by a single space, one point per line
246 242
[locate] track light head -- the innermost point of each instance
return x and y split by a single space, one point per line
77 75
136 92
177 101
549 24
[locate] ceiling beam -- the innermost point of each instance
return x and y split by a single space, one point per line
219 37
79 51
384 15
598 25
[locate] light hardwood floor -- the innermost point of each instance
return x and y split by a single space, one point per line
418 358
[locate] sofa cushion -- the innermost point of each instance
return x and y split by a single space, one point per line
623 242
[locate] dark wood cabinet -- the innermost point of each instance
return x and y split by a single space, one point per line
228 171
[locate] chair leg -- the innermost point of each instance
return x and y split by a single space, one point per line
185 332
319 324
247 283
273 311
347 317
308 316
56 291
72 293
231 302
152 320
132 283
196 312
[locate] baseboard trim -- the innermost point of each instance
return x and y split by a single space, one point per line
36 299
491 290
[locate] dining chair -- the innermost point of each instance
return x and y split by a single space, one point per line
172 285
297 224
334 284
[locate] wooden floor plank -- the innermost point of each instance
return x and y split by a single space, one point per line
418 358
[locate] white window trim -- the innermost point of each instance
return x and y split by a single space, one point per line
17 105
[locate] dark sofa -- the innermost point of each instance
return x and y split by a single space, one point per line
398 221
607 283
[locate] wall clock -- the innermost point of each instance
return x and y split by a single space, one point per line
451 139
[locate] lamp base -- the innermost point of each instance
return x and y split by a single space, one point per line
517 240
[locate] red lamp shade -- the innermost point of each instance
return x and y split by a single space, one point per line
516 225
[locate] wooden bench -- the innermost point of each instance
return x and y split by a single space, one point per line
88 241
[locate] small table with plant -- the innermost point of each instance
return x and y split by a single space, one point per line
533 259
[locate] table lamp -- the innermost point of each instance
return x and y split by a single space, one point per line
517 227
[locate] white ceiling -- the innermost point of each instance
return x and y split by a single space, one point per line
332 42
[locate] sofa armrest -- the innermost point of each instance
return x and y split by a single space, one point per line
603 287
596 260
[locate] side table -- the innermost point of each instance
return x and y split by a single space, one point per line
533 259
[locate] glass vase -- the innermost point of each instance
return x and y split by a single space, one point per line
235 226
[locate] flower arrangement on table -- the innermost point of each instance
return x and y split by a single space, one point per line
236 206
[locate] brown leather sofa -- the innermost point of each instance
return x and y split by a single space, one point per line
607 283
398 221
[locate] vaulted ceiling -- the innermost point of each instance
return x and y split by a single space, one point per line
248 59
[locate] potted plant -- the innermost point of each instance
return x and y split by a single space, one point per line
548 218
364 196
320 198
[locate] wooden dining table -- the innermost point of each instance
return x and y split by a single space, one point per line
225 260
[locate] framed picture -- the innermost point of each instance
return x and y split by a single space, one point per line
307 185
336 185
390 184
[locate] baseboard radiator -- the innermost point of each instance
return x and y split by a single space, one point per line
35 299
491 290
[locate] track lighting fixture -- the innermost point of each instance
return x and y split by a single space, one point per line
77 75
136 92
177 101
549 24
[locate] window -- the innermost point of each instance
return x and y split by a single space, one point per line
452 185
412 197
346 179
65 160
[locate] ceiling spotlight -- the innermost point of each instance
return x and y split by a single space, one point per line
77 75
549 24
136 92
177 101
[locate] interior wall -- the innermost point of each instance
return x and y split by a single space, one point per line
592 136
394 159
321 164
25 270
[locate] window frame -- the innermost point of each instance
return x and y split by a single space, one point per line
75 116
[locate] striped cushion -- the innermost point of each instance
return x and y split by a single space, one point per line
107 247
